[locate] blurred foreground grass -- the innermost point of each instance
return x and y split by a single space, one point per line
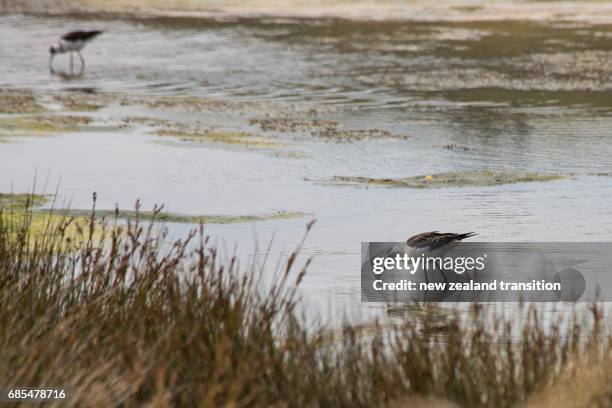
125 318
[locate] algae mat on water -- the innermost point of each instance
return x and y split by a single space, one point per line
22 200
182 218
41 125
227 137
19 204
19 101
484 178
20 216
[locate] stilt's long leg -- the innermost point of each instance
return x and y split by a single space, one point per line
82 61
71 63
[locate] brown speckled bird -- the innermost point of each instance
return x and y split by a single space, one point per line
433 244
435 239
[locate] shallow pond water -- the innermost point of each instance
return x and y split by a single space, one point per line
406 99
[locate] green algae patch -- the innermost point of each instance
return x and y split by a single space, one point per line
56 230
228 137
19 101
453 179
321 128
293 125
41 125
203 104
289 155
193 104
146 121
189 103
78 102
182 218
453 147
21 216
22 200
351 135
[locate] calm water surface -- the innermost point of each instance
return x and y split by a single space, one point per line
519 95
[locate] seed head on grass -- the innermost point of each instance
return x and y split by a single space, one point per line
121 316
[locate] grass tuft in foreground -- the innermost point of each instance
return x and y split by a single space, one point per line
125 318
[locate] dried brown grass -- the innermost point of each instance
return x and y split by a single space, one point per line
124 318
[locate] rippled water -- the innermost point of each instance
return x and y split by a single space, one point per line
518 95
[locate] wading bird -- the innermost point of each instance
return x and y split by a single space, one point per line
72 42
433 244
435 239
423 254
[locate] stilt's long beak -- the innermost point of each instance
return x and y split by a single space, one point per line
51 63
